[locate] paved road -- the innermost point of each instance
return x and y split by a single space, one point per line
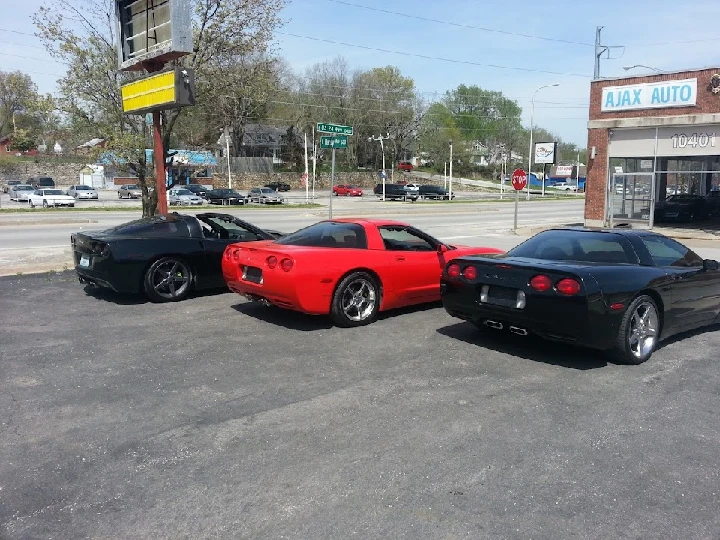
215 418
40 241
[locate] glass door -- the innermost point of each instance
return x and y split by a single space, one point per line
631 198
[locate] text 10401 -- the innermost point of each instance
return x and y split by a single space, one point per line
695 140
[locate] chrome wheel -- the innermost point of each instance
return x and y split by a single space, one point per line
358 299
643 331
170 279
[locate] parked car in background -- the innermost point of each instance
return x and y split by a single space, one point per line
20 192
197 189
165 256
351 191
265 195
82 192
9 184
129 191
225 196
40 182
278 186
405 166
684 207
49 197
350 269
434 192
619 290
396 192
184 197
413 187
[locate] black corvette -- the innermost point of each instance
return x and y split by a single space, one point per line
225 196
616 290
164 256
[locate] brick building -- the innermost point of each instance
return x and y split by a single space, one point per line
651 137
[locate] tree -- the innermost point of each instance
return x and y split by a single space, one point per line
19 102
437 129
82 35
22 141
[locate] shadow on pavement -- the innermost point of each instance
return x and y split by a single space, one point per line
528 348
121 299
303 322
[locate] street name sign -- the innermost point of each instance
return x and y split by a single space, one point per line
335 128
338 141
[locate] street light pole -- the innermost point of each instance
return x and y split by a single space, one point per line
532 114
382 150
450 184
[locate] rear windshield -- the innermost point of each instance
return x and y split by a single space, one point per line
82 188
46 181
183 192
577 246
24 188
330 234
154 226
52 192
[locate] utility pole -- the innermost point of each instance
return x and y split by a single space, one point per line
227 154
601 49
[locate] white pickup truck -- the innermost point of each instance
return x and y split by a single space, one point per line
49 197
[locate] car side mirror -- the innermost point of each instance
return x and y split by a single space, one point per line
442 248
709 264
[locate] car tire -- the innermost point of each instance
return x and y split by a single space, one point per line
45 204
31 204
168 280
356 301
119 195
71 205
639 331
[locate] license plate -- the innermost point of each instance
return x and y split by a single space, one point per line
252 273
85 261
502 296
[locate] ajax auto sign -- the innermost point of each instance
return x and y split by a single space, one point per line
649 95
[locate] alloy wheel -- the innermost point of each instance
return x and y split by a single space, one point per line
643 332
358 299
170 279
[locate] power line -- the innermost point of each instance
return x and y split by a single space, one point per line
427 57
22 45
34 58
460 25
17 32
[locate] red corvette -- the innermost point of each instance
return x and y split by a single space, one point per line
349 268
347 190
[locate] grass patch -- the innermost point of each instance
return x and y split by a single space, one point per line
179 209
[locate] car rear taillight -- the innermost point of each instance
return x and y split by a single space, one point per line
453 270
568 287
541 283
271 261
286 264
470 272
236 255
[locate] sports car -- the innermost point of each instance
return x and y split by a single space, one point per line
348 268
618 290
165 256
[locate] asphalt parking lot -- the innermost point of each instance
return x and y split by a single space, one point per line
217 418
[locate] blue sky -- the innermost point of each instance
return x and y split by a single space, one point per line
652 33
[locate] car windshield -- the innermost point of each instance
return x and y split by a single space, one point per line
82 188
52 192
329 234
183 192
577 246
153 226
132 186
266 190
24 188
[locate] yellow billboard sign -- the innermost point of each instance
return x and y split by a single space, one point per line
166 90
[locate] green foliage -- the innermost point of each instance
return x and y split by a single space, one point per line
22 141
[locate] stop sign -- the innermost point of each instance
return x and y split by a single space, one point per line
519 179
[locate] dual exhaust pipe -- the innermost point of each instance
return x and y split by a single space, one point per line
256 298
499 326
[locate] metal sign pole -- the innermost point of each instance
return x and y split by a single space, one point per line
517 197
332 180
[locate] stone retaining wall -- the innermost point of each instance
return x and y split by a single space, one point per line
64 174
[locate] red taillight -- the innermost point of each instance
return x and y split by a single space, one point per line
286 265
470 272
236 254
541 283
453 270
568 287
271 261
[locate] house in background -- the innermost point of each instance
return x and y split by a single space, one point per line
6 148
87 147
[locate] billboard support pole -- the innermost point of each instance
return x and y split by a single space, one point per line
159 158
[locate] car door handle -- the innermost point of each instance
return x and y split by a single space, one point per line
398 258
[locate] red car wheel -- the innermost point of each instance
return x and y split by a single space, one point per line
356 301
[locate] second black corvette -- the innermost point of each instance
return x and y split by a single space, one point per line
616 290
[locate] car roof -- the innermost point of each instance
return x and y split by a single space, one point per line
623 231
371 221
